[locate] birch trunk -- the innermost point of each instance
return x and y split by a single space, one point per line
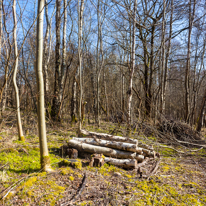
125 163
115 145
162 109
99 61
63 67
80 21
46 56
104 150
108 137
167 58
132 67
19 125
44 154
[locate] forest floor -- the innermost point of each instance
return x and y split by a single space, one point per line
180 178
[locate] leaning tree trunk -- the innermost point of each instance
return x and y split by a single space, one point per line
19 125
44 154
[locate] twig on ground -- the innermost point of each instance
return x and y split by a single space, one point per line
79 191
153 170
4 165
11 187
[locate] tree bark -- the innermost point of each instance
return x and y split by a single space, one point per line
44 154
132 68
80 21
187 71
125 163
19 125
162 98
115 145
104 150
167 59
63 67
57 81
46 58
108 137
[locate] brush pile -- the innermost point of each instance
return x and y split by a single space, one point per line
116 150
180 131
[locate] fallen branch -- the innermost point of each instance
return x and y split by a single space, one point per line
79 191
4 165
153 171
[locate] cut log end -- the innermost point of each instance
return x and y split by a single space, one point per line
97 160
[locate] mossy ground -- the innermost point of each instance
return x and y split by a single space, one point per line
180 179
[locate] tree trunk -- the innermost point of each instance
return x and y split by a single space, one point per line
111 144
46 58
108 137
104 150
19 125
57 81
44 154
125 163
167 59
162 98
132 68
80 21
63 68
74 102
200 116
187 71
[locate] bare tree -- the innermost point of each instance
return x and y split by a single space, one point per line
46 55
57 81
19 125
44 154
187 70
132 66
80 21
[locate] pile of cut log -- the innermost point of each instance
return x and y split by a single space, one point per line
117 150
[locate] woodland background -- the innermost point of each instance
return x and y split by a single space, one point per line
168 71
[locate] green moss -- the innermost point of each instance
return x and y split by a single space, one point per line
22 138
78 165
45 161
65 171
66 163
8 150
71 178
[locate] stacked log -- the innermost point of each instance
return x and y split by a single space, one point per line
120 151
